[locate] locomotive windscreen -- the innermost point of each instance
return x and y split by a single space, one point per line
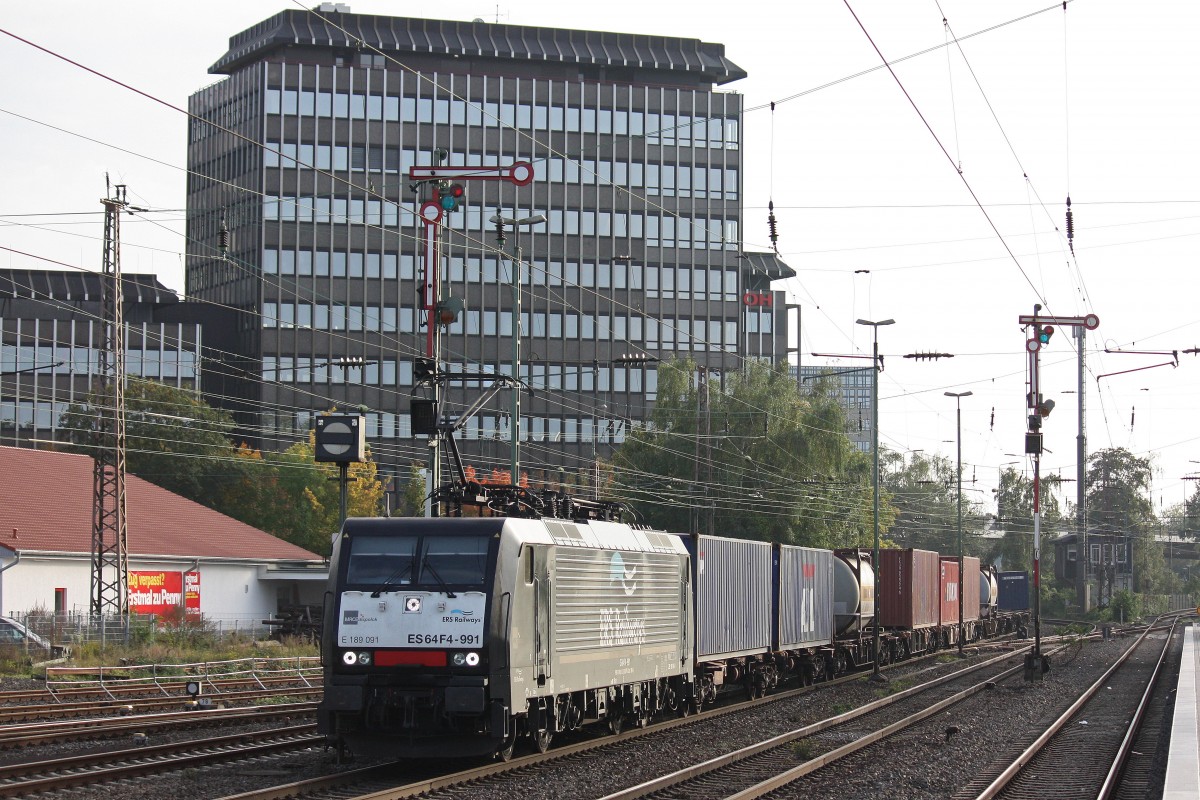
434 561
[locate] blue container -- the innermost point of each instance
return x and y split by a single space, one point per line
1014 591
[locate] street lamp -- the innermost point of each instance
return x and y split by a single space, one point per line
875 675
515 427
958 396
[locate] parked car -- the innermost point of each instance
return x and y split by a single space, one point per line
16 634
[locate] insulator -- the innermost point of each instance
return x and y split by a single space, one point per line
771 223
223 236
1070 226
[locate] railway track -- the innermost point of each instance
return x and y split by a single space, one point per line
1085 748
408 779
137 705
158 687
39 733
19 780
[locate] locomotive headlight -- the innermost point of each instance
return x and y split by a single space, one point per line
472 659
364 658
459 659
349 658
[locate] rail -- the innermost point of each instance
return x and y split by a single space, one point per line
167 677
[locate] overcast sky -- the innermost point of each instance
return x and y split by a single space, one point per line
1097 102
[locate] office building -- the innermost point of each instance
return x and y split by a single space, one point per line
852 386
302 150
50 340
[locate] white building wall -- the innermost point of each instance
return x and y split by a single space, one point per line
229 592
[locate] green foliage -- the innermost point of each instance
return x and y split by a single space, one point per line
173 439
170 649
412 502
178 442
1057 600
1124 606
755 459
1117 482
924 492
1014 516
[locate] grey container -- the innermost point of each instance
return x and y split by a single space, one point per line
733 596
805 597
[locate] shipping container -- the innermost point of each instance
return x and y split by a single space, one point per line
733 596
909 586
971 579
853 590
804 597
1013 592
948 588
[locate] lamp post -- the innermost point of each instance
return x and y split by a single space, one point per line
958 396
875 675
515 427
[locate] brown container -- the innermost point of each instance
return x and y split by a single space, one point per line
948 591
909 584
969 586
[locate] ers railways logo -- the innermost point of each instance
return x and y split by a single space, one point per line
618 574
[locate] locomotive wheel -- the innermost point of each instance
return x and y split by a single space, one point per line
541 740
505 753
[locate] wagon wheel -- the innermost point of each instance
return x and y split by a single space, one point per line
885 654
541 740
615 723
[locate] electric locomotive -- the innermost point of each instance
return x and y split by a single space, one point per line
459 636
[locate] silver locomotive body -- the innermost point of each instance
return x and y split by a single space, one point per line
483 631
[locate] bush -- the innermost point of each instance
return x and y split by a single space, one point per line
1125 606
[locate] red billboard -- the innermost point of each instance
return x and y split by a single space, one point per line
164 592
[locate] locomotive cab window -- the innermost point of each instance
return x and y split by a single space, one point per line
375 560
429 562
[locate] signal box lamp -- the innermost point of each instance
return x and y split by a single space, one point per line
450 196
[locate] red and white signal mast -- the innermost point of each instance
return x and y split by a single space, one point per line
446 195
1039 408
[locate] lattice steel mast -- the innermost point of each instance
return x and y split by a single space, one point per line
110 552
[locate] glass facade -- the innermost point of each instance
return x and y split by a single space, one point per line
50 355
637 171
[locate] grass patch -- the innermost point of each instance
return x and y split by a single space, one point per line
802 750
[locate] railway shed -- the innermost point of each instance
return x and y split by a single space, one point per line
184 558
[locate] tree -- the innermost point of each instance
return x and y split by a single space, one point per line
754 459
924 492
1014 515
173 439
1118 483
312 517
412 501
